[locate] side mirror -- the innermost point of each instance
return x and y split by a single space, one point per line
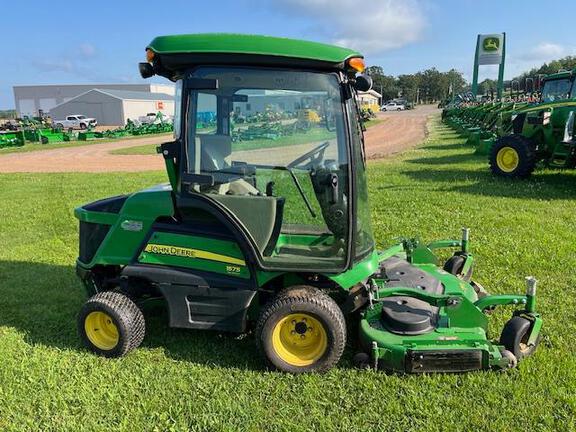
363 83
146 70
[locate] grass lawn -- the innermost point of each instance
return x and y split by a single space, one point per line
28 147
374 122
192 380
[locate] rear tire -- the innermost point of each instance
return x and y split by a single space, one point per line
110 324
513 156
515 335
301 330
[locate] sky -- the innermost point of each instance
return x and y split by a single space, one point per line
102 41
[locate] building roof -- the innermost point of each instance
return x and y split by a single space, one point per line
123 95
133 95
226 43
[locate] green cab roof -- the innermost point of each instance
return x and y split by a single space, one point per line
559 75
252 45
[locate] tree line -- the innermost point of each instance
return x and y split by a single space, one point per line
426 86
431 85
529 80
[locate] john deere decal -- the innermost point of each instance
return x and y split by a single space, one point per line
191 253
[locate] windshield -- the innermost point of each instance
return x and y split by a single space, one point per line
273 144
556 90
80 117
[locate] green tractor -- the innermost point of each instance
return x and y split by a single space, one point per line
273 236
540 133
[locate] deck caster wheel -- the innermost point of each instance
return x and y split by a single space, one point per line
111 324
301 330
515 335
455 264
361 360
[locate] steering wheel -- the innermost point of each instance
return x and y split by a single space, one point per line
316 154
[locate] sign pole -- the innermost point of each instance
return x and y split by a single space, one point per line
475 73
501 67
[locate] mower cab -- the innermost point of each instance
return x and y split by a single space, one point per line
265 225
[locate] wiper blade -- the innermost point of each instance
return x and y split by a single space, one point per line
296 182
302 194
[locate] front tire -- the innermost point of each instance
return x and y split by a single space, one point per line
515 335
82 126
513 156
110 324
301 330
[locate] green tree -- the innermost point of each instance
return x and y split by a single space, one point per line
383 84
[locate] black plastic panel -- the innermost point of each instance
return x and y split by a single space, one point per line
403 314
199 300
444 361
91 237
107 205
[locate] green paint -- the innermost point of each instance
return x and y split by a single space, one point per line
224 43
226 259
120 245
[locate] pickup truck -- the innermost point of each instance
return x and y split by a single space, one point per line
148 118
75 121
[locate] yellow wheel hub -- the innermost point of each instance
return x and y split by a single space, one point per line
299 339
101 330
507 159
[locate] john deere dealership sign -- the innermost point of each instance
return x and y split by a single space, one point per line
490 49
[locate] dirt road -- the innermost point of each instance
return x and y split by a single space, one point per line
399 131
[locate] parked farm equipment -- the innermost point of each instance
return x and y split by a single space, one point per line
39 130
519 134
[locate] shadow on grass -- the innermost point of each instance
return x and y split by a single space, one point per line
42 301
547 186
448 159
453 146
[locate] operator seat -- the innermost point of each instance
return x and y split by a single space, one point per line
260 215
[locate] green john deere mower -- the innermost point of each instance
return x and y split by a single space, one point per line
271 234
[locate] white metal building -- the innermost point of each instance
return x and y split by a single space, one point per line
114 107
370 99
30 99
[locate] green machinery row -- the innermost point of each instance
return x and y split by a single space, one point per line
39 131
519 135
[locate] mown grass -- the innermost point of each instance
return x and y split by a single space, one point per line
30 147
193 380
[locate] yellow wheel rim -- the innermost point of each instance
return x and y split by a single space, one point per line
299 339
507 159
101 330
